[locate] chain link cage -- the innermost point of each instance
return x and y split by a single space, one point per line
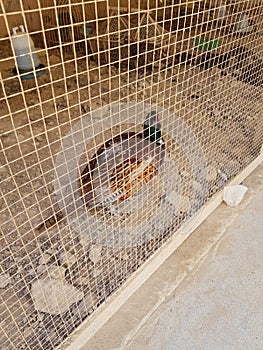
120 120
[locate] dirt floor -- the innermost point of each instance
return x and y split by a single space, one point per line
221 104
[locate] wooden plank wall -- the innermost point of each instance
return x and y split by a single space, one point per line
14 19
33 18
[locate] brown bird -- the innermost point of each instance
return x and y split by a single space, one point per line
124 164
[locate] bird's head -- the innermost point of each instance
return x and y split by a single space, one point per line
152 128
152 119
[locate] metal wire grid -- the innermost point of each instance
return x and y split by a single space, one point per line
61 259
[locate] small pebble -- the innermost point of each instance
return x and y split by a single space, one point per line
39 138
57 272
95 253
21 137
68 259
28 331
41 269
197 186
4 280
44 259
211 173
54 296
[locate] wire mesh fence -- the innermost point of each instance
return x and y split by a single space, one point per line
119 121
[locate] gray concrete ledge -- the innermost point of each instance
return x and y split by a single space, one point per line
208 293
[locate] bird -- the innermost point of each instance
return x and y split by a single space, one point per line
152 128
124 164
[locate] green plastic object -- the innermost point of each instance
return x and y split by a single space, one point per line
39 71
206 44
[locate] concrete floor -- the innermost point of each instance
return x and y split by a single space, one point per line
207 295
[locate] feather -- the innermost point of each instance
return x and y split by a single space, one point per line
126 164
152 128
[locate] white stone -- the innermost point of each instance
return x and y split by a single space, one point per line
233 195
84 241
86 304
54 296
44 259
125 256
49 251
95 253
4 280
41 269
212 173
21 137
28 331
31 273
181 202
96 272
40 317
57 272
68 259
223 175
197 186
39 138
37 184
184 204
185 173
242 24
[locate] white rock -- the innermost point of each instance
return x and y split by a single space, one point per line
242 24
222 174
40 317
4 280
185 173
21 137
220 12
184 204
197 186
95 253
44 259
233 195
96 272
57 272
54 296
84 241
37 185
173 197
28 331
41 269
31 273
86 304
49 250
211 173
68 259
181 202
124 256
39 138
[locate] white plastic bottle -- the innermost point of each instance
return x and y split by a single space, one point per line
24 50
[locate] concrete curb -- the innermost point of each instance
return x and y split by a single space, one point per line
119 331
